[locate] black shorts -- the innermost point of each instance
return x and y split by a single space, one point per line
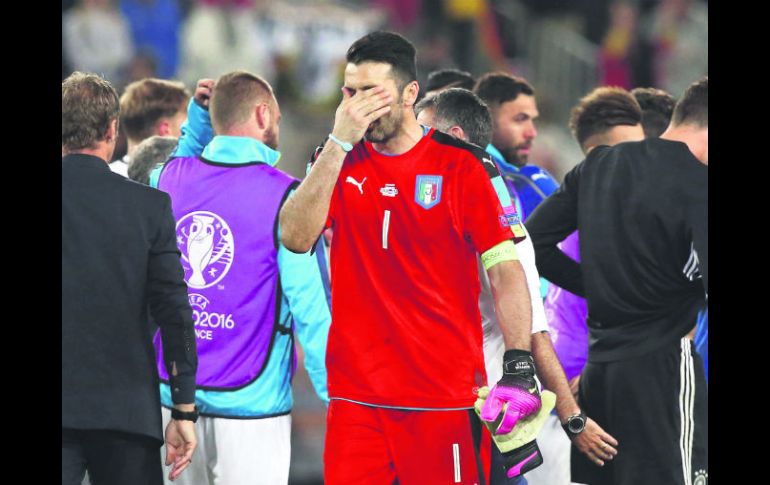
656 406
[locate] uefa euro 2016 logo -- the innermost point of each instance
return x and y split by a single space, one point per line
207 248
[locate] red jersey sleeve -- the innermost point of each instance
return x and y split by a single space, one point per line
484 221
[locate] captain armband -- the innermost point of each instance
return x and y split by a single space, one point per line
505 251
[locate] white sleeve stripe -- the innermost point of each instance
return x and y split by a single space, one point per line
692 267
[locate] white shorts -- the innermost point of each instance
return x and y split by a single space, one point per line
236 452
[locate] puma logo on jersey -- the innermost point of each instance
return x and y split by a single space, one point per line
356 183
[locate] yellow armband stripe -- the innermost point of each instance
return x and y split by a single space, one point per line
518 231
505 251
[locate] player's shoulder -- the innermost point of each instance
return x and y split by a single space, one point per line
652 153
450 142
139 192
599 157
540 177
474 154
172 168
536 173
673 154
627 150
176 161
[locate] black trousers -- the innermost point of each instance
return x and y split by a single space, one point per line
656 406
111 458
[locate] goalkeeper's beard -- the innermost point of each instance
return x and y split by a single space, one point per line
386 127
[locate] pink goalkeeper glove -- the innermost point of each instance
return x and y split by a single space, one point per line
517 388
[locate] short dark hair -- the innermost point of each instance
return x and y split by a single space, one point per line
449 78
234 95
458 106
146 101
602 109
427 102
693 108
657 107
148 154
89 103
387 47
496 88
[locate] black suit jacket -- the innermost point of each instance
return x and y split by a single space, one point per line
119 259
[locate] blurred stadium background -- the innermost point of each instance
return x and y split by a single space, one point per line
564 48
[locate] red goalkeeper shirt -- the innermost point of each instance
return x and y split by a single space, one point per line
406 329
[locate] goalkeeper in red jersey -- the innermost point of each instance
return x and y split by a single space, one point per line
410 208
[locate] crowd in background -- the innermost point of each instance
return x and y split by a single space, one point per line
299 47
642 42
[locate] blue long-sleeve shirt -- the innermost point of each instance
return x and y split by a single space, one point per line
305 295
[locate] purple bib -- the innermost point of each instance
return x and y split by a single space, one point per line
226 229
566 315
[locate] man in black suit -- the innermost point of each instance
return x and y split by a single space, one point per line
119 259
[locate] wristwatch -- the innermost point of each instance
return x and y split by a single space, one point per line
185 416
575 424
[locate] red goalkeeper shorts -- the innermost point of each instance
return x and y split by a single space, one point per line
382 446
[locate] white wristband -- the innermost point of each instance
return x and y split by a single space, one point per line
345 146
